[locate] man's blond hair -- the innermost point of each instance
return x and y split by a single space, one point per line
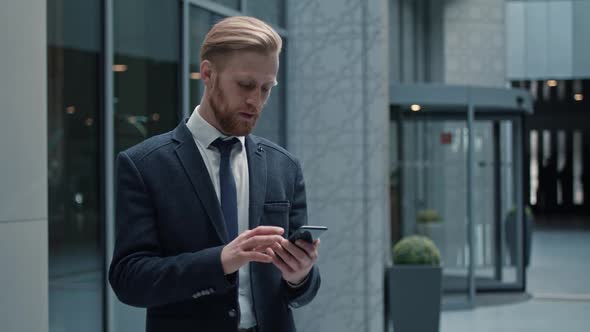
240 33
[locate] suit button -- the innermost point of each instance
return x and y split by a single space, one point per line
232 313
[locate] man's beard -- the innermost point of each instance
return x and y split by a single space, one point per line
230 122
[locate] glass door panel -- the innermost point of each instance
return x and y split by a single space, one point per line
498 231
434 178
432 168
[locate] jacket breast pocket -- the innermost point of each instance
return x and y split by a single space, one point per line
276 213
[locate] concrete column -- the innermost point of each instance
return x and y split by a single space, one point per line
23 166
338 125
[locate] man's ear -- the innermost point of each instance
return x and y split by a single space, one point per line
207 73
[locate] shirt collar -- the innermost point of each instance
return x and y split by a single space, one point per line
204 132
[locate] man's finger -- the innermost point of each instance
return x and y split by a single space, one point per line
291 261
306 246
253 256
278 262
261 248
294 250
260 241
264 230
316 243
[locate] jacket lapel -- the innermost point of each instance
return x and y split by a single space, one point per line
257 179
190 157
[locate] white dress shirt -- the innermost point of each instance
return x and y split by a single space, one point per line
204 134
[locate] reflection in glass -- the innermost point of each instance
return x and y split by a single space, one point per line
76 234
270 11
146 38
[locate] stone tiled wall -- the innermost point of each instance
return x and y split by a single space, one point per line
338 122
474 42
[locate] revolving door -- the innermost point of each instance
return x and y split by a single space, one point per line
459 163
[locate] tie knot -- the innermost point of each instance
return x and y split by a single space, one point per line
225 146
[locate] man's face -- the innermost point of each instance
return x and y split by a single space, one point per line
240 89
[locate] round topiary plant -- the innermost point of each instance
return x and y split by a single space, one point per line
427 216
416 250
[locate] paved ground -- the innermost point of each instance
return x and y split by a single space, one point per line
558 291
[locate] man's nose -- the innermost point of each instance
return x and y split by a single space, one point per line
255 98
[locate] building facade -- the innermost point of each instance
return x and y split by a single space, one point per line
83 80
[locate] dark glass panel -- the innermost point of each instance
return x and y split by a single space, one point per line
146 98
76 228
200 21
233 4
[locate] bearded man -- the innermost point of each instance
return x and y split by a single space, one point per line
203 211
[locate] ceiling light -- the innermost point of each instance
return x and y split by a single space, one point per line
195 76
119 68
415 108
552 83
579 97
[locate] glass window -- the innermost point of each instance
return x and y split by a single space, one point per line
270 11
76 229
146 96
200 22
233 4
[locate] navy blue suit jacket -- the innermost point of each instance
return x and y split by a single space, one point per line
170 233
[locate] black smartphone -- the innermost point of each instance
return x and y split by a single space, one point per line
307 233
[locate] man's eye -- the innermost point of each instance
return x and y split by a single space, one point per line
246 85
265 89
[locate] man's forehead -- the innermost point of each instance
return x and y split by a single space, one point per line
256 76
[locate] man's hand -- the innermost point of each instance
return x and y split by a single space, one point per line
294 261
250 246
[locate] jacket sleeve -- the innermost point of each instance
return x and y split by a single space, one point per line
139 274
302 295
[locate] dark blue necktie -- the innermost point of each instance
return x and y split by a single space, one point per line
227 186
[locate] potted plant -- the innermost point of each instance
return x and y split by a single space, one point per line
429 224
414 284
527 230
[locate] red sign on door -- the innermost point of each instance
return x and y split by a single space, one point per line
446 138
